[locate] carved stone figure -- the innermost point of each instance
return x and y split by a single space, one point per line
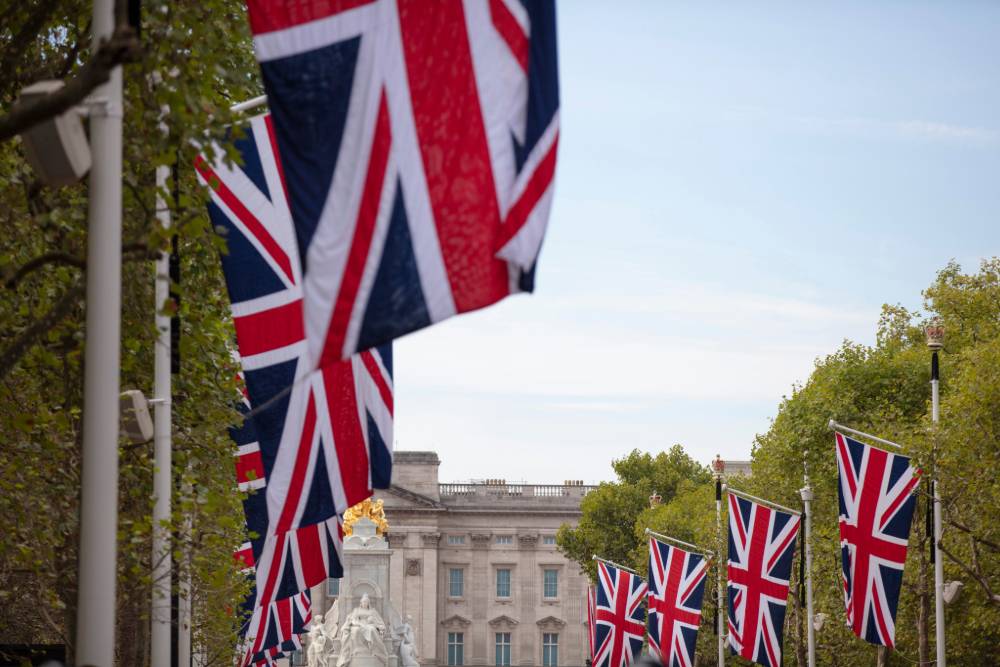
362 635
408 645
321 636
316 655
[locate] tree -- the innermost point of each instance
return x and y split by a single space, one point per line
194 61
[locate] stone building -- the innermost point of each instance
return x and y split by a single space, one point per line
476 566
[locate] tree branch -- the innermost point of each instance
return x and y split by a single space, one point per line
965 529
123 46
40 261
985 585
130 251
24 342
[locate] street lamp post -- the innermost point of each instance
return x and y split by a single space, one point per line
935 342
718 469
807 497
95 618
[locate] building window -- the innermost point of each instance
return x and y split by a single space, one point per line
456 582
550 649
456 649
550 583
505 539
503 649
333 588
549 540
298 658
503 582
456 539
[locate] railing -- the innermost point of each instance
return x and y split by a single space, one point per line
472 490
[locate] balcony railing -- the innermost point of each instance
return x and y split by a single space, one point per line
504 490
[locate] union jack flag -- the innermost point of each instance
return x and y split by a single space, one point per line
282 626
283 567
676 588
419 147
619 616
876 508
591 620
761 549
325 436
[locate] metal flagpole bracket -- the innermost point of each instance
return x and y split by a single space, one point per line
834 426
695 547
253 103
762 501
612 563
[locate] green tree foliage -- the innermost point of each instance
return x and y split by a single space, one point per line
882 389
195 61
615 511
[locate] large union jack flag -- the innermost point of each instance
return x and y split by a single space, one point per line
324 436
419 148
676 588
761 548
619 616
876 509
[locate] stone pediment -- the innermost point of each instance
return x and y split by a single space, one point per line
405 499
551 622
503 620
456 621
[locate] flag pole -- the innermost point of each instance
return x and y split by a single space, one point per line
935 341
695 547
834 426
160 633
743 494
97 574
611 562
719 467
807 497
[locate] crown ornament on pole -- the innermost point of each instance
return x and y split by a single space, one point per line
935 334
718 465
655 500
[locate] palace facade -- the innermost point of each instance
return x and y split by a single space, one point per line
476 567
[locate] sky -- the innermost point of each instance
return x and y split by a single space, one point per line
740 187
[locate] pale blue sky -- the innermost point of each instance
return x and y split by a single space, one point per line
740 187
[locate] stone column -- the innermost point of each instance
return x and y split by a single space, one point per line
429 630
478 593
529 599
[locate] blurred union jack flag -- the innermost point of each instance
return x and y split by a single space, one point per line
761 548
283 566
323 437
419 148
676 588
876 509
619 616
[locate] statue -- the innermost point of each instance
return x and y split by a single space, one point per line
369 509
362 634
321 636
408 646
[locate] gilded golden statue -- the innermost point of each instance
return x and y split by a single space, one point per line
370 509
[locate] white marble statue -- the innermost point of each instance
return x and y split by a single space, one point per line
321 636
408 645
362 634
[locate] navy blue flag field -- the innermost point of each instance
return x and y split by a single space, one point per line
325 436
619 616
876 495
761 549
419 148
676 589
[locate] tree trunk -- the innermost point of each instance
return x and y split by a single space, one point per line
883 657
